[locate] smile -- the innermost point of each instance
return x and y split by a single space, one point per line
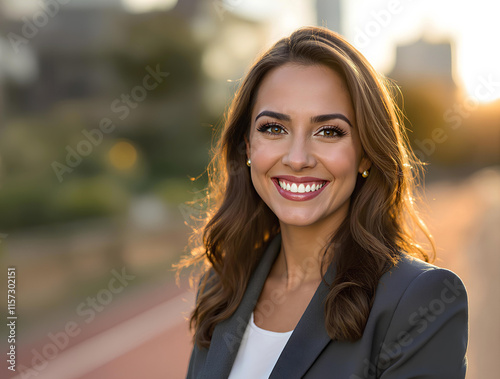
299 188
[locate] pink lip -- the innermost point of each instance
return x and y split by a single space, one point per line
299 179
298 196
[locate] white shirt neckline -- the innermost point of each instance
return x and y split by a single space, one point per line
259 351
267 332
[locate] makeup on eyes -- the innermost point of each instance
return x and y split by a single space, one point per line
270 125
335 130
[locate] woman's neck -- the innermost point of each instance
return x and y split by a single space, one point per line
302 250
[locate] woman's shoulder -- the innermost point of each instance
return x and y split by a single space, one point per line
412 281
410 269
420 318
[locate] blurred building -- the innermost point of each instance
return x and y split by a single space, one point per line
440 118
188 8
64 47
423 71
423 60
102 4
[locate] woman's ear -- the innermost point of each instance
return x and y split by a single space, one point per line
364 165
247 144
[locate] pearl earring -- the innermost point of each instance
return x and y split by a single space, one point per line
365 174
249 162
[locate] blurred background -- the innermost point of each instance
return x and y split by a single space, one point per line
107 109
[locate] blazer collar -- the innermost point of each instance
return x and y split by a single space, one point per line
309 337
227 335
307 341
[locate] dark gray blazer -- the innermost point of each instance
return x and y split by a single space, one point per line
417 328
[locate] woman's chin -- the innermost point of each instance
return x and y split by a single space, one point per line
297 219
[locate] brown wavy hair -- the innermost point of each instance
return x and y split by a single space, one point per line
382 219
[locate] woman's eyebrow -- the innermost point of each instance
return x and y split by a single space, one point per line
328 117
279 116
314 119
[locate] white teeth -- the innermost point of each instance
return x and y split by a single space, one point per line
301 188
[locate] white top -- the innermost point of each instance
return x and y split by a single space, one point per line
259 351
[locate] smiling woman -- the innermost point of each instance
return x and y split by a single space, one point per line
311 266
302 126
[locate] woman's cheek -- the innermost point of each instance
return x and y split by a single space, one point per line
265 154
340 162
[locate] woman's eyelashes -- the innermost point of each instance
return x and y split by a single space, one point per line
331 132
271 128
275 129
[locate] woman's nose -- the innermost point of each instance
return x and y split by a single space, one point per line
298 155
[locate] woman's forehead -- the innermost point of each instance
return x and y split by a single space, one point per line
300 89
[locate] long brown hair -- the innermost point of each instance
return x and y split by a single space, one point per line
382 215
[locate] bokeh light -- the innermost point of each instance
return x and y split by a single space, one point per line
123 155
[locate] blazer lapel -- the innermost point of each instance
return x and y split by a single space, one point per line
309 337
227 335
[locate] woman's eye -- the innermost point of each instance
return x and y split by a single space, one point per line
330 132
271 129
275 129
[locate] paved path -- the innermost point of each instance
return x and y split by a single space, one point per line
465 219
154 343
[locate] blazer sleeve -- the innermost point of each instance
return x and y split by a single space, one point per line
428 334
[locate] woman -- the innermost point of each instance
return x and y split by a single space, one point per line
311 269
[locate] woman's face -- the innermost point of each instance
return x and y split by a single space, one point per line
304 145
